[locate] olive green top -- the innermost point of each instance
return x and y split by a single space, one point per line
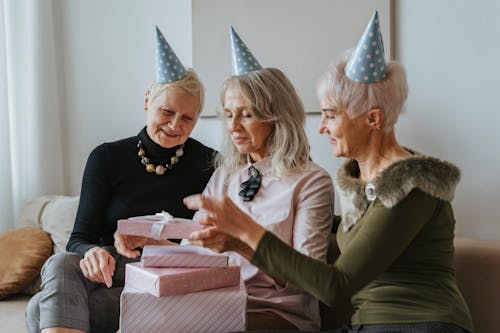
396 251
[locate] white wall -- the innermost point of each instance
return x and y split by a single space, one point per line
451 51
300 37
449 48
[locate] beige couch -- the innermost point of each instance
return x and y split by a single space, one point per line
477 267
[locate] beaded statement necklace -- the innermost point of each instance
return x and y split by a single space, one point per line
159 169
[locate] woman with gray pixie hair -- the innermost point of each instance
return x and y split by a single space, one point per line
266 171
397 228
388 95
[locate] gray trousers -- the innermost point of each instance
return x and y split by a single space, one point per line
68 299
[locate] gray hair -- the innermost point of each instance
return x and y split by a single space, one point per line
271 98
388 94
190 84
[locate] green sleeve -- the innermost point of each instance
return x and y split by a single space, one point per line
384 235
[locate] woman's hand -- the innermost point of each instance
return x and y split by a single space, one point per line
126 244
227 217
219 242
98 265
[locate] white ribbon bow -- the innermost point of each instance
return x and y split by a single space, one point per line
157 227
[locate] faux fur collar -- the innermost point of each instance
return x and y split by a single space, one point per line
431 175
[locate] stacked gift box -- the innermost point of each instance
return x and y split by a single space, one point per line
179 288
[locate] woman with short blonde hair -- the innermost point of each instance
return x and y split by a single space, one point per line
190 84
143 174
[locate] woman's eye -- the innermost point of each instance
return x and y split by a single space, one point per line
167 112
228 115
329 114
246 115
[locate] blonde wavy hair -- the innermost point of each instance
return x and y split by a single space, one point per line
271 98
190 84
388 94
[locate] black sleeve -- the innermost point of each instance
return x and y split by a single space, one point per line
94 198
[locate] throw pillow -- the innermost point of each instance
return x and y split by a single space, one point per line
31 211
23 252
58 219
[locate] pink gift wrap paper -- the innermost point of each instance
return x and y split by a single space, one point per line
174 281
181 256
212 311
175 229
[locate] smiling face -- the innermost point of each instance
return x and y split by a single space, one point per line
171 117
347 136
247 133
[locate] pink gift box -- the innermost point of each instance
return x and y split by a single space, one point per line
218 310
157 227
181 256
174 281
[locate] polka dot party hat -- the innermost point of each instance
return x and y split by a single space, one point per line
367 63
168 67
243 59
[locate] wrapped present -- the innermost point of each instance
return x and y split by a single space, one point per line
159 226
216 310
174 281
181 256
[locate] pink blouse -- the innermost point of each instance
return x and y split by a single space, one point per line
299 210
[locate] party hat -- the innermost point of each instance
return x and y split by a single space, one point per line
168 67
367 63
243 59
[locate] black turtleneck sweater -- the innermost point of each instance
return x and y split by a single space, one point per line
116 185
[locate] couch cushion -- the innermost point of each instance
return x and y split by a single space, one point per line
31 211
23 252
12 314
58 218
477 265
